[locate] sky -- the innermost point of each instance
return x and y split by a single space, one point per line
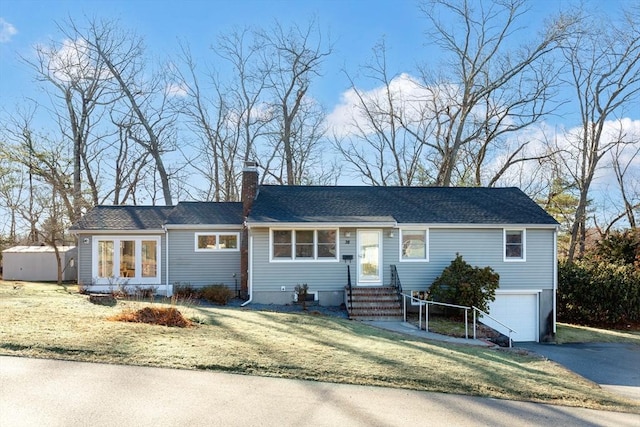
353 26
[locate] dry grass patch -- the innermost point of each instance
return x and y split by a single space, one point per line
54 322
163 316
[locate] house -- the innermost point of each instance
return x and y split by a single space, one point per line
281 236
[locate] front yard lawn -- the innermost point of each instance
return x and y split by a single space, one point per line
50 321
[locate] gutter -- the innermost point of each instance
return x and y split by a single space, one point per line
250 273
166 257
555 279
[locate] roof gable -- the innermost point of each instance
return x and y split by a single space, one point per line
407 205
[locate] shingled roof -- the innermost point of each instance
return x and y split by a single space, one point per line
204 213
405 205
124 218
155 217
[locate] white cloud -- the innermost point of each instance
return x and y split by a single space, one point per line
347 116
176 89
73 62
7 30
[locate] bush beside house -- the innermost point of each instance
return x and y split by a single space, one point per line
463 284
603 288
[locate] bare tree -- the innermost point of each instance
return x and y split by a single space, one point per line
142 110
456 125
604 70
495 89
628 185
81 93
390 129
12 196
624 157
293 58
217 130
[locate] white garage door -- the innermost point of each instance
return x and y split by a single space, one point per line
519 312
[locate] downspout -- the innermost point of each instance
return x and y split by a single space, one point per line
166 258
250 273
555 277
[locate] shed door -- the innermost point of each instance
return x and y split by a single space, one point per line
369 257
519 312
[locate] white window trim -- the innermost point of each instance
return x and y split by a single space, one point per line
138 279
293 246
524 245
426 242
217 234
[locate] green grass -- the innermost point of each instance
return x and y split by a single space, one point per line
575 334
49 321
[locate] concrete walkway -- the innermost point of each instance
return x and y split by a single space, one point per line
410 329
40 392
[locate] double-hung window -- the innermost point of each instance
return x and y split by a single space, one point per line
514 245
304 245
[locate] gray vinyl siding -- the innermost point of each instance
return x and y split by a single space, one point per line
84 260
479 247
320 276
186 265
483 247
85 257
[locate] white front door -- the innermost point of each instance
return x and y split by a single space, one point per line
369 257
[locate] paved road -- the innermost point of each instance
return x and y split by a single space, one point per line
38 392
613 366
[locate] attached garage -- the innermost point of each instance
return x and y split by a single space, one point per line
518 310
38 263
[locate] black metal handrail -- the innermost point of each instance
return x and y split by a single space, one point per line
395 280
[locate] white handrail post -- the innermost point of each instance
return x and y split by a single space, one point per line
420 317
404 311
466 323
426 317
474 323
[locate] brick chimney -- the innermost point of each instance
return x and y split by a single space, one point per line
249 186
249 193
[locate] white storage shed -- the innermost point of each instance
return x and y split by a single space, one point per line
38 263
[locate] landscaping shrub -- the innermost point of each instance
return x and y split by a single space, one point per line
603 288
186 291
598 293
463 284
218 294
165 316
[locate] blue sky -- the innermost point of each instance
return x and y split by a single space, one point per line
353 25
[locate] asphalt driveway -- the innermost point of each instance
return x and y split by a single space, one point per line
613 366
